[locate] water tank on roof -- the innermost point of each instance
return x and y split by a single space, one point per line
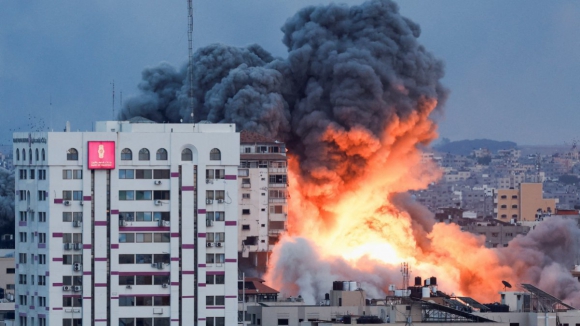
418 281
433 280
353 286
346 286
425 292
337 286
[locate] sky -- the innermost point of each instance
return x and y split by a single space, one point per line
513 67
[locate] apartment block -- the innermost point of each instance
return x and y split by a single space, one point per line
113 226
523 203
263 194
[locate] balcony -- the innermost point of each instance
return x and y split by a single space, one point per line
277 170
277 200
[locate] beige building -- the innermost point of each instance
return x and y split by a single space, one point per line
527 203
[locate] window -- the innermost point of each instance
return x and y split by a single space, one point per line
276 209
245 227
143 237
67 174
36 154
126 155
32 174
278 178
143 195
127 216
30 155
283 321
503 216
215 155
515 197
161 195
143 280
126 259
43 155
161 154
126 237
160 301
17 155
209 300
163 216
72 174
42 237
72 302
144 154
217 321
22 279
67 195
161 258
503 206
161 237
160 279
42 174
209 258
126 195
10 270
23 155
22 174
220 300
514 206
186 155
41 281
126 174
72 155
515 216
209 194
143 259
143 301
126 302
220 258
220 194
246 196
245 211
143 174
243 173
161 174
42 259
209 173
42 195
22 236
143 216
126 321
77 195
219 216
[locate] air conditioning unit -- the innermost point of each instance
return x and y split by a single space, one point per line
77 267
208 181
66 203
209 201
218 244
159 265
166 223
81 202
159 223
77 224
68 246
158 203
121 222
78 246
157 182
164 285
208 222
66 288
209 244
220 201
128 287
154 265
78 288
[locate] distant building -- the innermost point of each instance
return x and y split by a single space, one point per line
527 203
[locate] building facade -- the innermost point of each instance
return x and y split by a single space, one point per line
527 203
113 226
263 195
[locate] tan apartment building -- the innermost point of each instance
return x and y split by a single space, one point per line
523 203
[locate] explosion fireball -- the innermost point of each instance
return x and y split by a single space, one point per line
355 101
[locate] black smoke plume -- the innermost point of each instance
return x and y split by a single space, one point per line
346 67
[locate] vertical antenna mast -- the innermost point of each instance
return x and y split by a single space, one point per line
405 271
190 44
113 83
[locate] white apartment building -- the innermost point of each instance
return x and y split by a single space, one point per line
114 225
263 195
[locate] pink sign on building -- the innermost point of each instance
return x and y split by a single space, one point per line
101 155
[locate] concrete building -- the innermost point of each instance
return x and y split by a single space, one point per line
523 204
113 226
263 193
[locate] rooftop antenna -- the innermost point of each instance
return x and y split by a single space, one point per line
190 45
406 274
113 83
50 112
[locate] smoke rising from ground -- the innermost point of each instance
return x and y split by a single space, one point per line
353 99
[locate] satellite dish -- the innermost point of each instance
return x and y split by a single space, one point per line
506 284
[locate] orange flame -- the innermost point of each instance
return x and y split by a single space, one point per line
347 212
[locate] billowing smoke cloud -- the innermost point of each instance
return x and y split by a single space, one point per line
353 99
